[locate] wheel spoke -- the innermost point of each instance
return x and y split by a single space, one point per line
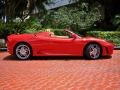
18 50
94 51
23 51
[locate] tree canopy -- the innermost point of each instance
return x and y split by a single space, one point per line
22 8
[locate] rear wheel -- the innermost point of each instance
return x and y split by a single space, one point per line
93 51
23 51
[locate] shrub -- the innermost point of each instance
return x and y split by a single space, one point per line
29 26
10 28
111 36
116 20
79 18
32 25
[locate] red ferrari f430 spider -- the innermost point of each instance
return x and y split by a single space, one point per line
23 46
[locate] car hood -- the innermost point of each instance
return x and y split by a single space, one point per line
100 40
92 38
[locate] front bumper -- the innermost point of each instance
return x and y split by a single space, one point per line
108 50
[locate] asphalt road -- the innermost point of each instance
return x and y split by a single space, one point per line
60 73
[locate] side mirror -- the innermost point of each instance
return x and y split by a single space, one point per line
74 36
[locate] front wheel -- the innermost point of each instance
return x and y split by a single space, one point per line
93 51
23 51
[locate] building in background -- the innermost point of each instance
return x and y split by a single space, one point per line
57 3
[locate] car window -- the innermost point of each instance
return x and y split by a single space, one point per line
62 33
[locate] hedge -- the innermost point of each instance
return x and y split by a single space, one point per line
112 36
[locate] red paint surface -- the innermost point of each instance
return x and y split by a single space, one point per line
44 45
56 73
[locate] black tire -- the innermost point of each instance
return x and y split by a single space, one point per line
23 51
92 51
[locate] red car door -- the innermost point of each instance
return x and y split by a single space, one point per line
63 46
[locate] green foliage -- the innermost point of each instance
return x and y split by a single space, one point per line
118 29
29 26
11 28
116 22
32 25
79 19
108 35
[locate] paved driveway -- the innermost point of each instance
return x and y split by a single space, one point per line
60 73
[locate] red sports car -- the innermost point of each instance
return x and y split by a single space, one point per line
23 46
